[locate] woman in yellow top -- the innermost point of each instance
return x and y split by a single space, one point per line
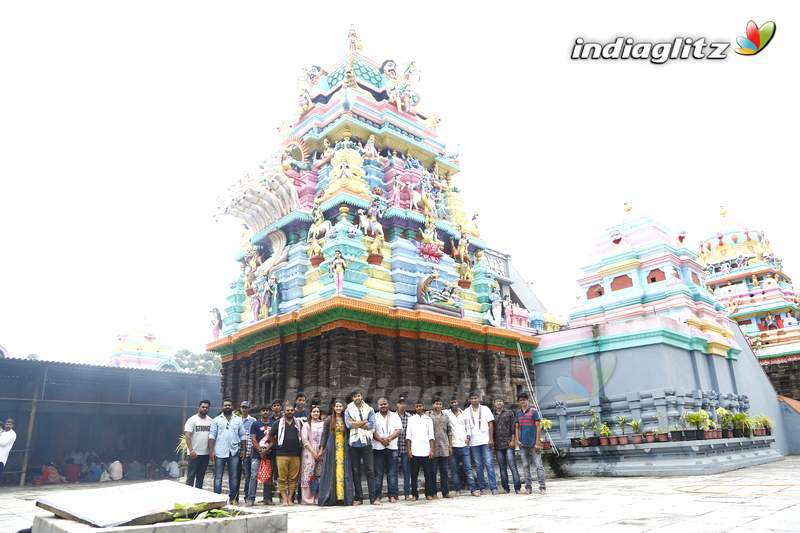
336 481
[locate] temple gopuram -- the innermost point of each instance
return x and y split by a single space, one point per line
648 342
360 266
748 279
142 350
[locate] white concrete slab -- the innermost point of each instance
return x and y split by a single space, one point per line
140 503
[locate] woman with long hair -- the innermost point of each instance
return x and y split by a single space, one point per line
312 454
336 481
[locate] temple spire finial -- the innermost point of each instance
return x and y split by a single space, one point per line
353 42
723 212
627 207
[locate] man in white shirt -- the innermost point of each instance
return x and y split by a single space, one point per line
115 471
482 441
384 449
461 429
7 438
420 444
196 432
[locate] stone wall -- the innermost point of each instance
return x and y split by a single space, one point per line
785 377
334 363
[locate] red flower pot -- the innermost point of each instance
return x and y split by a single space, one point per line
623 440
613 440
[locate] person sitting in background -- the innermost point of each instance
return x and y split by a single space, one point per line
115 471
49 475
135 470
171 469
72 471
94 471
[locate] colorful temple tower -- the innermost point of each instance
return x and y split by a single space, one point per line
649 342
748 279
143 351
360 266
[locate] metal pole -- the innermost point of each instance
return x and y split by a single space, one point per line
31 421
533 394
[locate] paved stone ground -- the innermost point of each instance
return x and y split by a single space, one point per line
761 498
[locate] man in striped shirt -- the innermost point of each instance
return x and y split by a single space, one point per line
528 435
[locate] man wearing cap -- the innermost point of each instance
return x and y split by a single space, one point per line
247 422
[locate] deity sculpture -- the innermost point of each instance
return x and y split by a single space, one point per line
315 251
255 302
368 223
375 249
251 262
320 227
465 275
325 156
216 323
370 152
271 295
754 281
494 314
397 186
461 248
399 88
304 102
431 247
338 266
312 75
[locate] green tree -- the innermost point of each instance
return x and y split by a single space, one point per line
199 363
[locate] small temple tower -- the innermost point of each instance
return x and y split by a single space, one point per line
360 266
748 279
649 342
142 351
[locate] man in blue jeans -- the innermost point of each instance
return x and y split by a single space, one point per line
529 436
481 442
226 443
402 456
460 431
505 423
244 464
258 430
384 449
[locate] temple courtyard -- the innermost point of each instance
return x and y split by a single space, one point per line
761 498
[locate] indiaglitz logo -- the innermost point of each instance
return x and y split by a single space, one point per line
680 48
757 38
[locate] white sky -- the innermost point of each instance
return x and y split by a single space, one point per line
121 122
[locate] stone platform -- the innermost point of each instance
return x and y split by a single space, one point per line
684 458
757 499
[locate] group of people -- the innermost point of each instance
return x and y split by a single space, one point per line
321 460
88 467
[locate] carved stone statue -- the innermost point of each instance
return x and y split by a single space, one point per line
216 323
370 152
338 266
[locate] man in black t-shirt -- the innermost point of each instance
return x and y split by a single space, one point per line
286 435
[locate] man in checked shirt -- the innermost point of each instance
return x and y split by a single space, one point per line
402 454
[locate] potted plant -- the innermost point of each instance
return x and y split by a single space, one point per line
622 421
636 427
767 422
594 422
605 431
711 430
742 424
546 426
584 440
698 420
650 435
661 432
676 433
725 421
